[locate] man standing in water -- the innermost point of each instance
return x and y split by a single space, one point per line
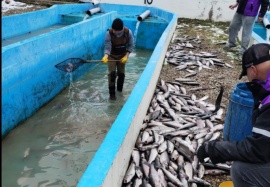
119 43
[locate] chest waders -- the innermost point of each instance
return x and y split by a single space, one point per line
116 70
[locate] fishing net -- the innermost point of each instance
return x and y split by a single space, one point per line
70 65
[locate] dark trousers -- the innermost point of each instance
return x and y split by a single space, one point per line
116 72
250 174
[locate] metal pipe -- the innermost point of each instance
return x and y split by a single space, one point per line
93 11
95 2
266 22
143 15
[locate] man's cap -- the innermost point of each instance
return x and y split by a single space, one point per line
256 54
117 24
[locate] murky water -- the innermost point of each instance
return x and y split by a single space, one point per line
54 147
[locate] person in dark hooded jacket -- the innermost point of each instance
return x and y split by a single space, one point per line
245 16
250 156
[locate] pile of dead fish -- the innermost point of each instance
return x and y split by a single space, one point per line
175 126
181 55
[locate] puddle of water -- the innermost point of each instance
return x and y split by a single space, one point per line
54 146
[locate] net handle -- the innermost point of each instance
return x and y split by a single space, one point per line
88 61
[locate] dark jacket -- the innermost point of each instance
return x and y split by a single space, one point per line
254 148
119 45
251 7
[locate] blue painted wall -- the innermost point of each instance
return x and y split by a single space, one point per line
29 78
260 29
23 23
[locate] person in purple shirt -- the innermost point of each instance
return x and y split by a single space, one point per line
245 16
250 156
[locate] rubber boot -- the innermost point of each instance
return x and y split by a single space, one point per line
112 78
120 81
112 92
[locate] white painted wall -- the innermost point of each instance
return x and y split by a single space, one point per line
216 10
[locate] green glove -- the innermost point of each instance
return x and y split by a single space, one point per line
105 59
124 59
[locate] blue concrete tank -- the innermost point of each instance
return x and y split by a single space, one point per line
239 113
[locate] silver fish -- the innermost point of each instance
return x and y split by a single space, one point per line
164 159
170 146
184 101
228 65
183 177
150 139
214 172
181 67
201 171
201 135
209 123
225 167
195 164
174 155
180 161
208 136
163 181
147 147
138 171
172 178
145 168
199 181
193 184
157 162
217 127
200 122
137 182
135 157
215 135
177 133
154 177
130 173
184 143
145 183
170 184
174 124
155 115
172 171
153 155
145 136
188 155
162 147
160 139
188 169
173 165
194 144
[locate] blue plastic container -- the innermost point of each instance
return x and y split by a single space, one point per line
239 113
